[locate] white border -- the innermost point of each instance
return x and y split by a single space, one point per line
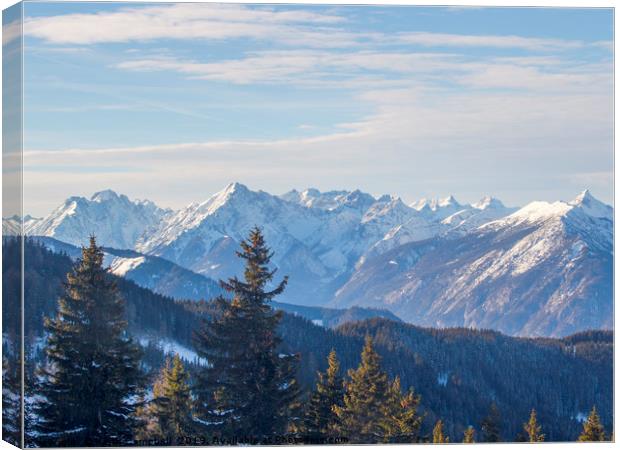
484 3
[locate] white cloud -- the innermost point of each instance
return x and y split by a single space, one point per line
441 120
301 66
373 69
11 31
459 40
416 142
188 21
213 21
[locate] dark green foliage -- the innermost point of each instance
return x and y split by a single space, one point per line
401 422
366 394
169 414
248 388
320 419
491 425
11 400
375 410
92 369
561 377
593 430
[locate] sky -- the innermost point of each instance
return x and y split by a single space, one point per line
171 102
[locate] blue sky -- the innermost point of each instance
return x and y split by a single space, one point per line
172 101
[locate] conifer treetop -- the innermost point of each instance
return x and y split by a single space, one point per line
533 429
593 430
257 273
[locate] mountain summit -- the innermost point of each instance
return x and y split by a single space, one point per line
544 269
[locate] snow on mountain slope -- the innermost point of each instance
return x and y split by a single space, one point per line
543 270
527 271
429 221
203 237
157 274
438 209
114 219
479 213
12 226
313 198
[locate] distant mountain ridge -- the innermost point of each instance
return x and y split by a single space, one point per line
166 278
543 269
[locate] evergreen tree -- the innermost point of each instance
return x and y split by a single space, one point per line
438 436
532 429
92 374
11 403
593 430
469 435
169 414
402 422
248 389
366 393
320 418
491 425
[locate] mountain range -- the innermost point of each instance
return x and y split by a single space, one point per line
541 270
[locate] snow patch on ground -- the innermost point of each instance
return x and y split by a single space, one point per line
442 379
120 266
170 347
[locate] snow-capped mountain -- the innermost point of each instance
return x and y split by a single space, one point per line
204 237
12 226
317 237
438 209
150 272
545 269
313 198
532 270
114 219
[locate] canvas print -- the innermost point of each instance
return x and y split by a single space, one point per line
253 224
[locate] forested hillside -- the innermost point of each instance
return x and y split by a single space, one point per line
458 372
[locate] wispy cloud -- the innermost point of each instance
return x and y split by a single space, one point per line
364 69
460 40
507 111
299 66
11 31
287 27
186 21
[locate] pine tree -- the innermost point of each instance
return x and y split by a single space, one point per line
532 429
593 430
169 414
491 424
366 393
438 436
11 401
469 435
248 389
320 419
401 422
92 374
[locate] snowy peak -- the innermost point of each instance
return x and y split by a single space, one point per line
116 220
435 203
107 195
330 200
540 211
446 202
232 190
592 206
488 202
